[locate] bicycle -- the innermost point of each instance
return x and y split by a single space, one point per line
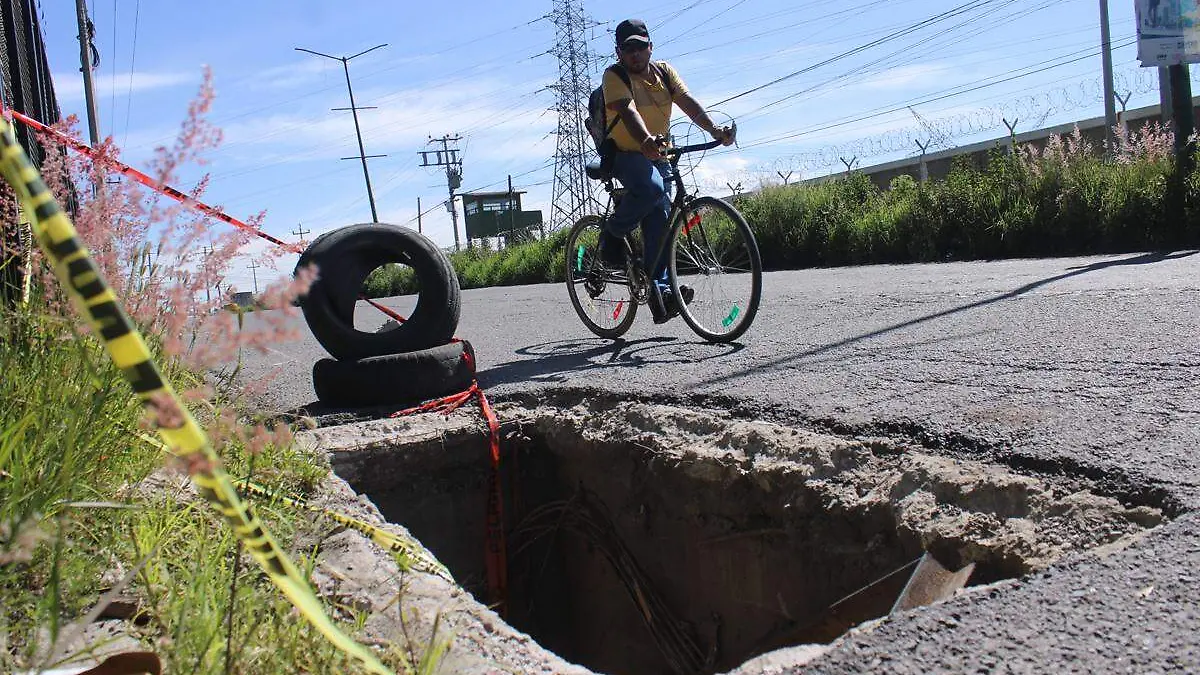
710 247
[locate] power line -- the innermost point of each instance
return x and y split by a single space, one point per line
709 20
891 36
880 60
953 92
137 12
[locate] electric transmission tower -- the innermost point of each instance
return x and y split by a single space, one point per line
572 196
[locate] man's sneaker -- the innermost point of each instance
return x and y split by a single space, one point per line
670 304
612 250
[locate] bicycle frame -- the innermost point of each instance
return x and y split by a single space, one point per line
678 203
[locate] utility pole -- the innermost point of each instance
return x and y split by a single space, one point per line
419 216
449 158
1164 95
1183 119
1110 107
301 232
253 267
89 58
362 155
207 251
511 208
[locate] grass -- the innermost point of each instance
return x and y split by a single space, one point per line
70 451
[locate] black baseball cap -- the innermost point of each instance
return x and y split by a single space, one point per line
632 30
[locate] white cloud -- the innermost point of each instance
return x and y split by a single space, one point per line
715 171
69 87
484 110
906 77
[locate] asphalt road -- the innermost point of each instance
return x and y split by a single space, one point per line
1086 366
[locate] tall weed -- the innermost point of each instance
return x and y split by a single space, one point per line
75 506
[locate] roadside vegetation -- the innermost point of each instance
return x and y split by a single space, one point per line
77 519
536 262
92 507
1058 200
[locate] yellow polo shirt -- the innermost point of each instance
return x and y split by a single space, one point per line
651 97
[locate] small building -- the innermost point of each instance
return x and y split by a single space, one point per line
498 214
244 299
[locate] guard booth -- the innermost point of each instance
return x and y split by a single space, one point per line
499 214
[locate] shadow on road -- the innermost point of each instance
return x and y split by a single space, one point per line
553 361
1141 259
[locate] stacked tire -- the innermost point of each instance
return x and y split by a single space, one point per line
404 363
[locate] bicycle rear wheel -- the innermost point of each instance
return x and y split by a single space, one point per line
714 253
601 296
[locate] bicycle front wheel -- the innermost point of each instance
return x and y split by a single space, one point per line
715 261
602 296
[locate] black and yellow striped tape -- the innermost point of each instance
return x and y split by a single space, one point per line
409 553
95 300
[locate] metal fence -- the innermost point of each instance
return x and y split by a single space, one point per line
26 86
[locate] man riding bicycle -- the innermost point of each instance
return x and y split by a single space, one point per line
643 109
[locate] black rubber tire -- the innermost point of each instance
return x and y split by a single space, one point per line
573 281
345 257
396 379
754 260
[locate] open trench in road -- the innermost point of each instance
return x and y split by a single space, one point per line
643 538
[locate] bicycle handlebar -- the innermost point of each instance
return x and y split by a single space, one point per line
675 153
684 149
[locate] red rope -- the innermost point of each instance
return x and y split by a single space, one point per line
495 549
386 310
157 186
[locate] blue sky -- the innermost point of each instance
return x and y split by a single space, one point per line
480 69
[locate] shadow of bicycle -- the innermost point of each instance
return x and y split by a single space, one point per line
561 359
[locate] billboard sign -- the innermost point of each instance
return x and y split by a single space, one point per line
1168 32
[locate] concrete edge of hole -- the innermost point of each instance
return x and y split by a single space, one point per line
355 572
366 451
914 485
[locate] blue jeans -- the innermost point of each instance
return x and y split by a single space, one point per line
647 200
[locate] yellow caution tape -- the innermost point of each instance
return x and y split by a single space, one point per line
94 298
409 553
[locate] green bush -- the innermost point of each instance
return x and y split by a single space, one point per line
1061 200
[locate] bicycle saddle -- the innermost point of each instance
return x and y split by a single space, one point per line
593 171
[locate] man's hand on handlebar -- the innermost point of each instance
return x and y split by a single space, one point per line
727 135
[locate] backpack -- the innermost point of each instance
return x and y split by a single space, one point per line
597 122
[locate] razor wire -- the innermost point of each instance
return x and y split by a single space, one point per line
939 132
